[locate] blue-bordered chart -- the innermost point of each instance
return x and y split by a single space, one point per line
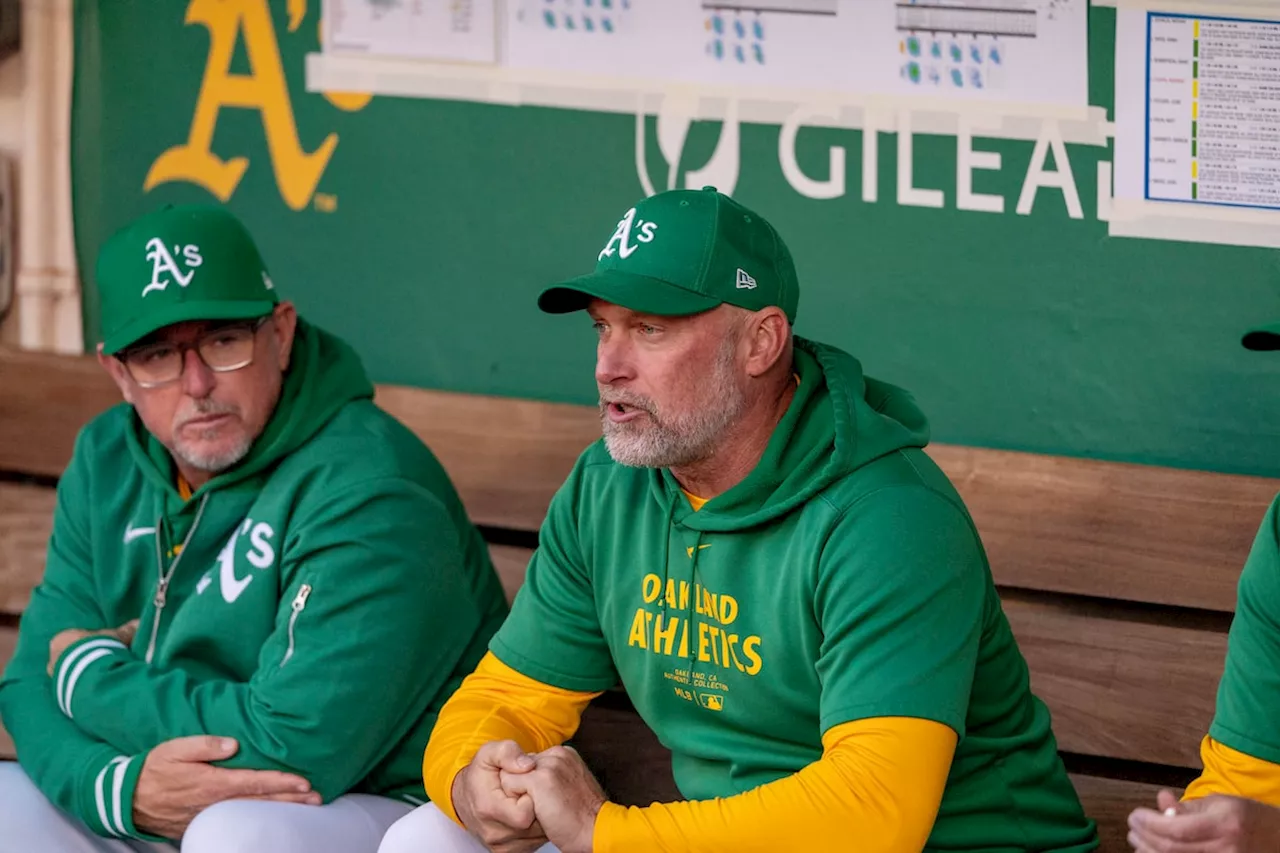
1212 111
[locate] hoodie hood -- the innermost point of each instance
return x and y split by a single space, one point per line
324 375
838 421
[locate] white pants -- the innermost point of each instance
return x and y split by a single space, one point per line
29 823
428 830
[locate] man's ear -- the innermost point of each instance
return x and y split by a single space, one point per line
118 374
284 326
767 333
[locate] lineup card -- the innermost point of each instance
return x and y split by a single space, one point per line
1213 110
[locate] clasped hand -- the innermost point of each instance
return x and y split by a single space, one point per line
1212 824
180 777
515 802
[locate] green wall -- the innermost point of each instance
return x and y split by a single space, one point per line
435 223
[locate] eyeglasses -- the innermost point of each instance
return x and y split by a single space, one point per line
224 349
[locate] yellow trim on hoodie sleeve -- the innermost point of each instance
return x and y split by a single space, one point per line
880 778
1237 774
495 703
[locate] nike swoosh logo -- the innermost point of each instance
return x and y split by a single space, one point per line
700 547
131 533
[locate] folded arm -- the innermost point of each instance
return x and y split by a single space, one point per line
349 668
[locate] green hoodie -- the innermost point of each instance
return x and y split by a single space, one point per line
324 597
841 580
1249 692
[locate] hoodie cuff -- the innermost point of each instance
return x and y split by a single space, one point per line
68 673
109 807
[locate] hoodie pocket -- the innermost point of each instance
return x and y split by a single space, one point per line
299 604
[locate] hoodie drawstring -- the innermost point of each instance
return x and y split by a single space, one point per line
690 608
692 614
666 556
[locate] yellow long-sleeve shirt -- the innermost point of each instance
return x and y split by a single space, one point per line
1229 771
882 776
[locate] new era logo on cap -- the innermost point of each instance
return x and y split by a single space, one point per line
745 281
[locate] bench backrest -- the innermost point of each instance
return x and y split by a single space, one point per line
1119 580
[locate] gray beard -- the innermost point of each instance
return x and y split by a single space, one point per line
653 441
211 463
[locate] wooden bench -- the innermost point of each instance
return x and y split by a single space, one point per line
1119 580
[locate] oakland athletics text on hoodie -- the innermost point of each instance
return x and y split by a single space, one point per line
841 580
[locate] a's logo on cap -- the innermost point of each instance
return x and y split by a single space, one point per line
745 281
622 236
162 263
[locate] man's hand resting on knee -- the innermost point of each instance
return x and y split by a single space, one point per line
178 782
503 821
1212 824
566 797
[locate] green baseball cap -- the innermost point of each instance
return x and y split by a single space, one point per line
683 252
1263 338
194 262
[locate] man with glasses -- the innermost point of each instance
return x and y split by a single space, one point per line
260 588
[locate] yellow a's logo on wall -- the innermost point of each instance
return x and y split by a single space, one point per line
297 171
